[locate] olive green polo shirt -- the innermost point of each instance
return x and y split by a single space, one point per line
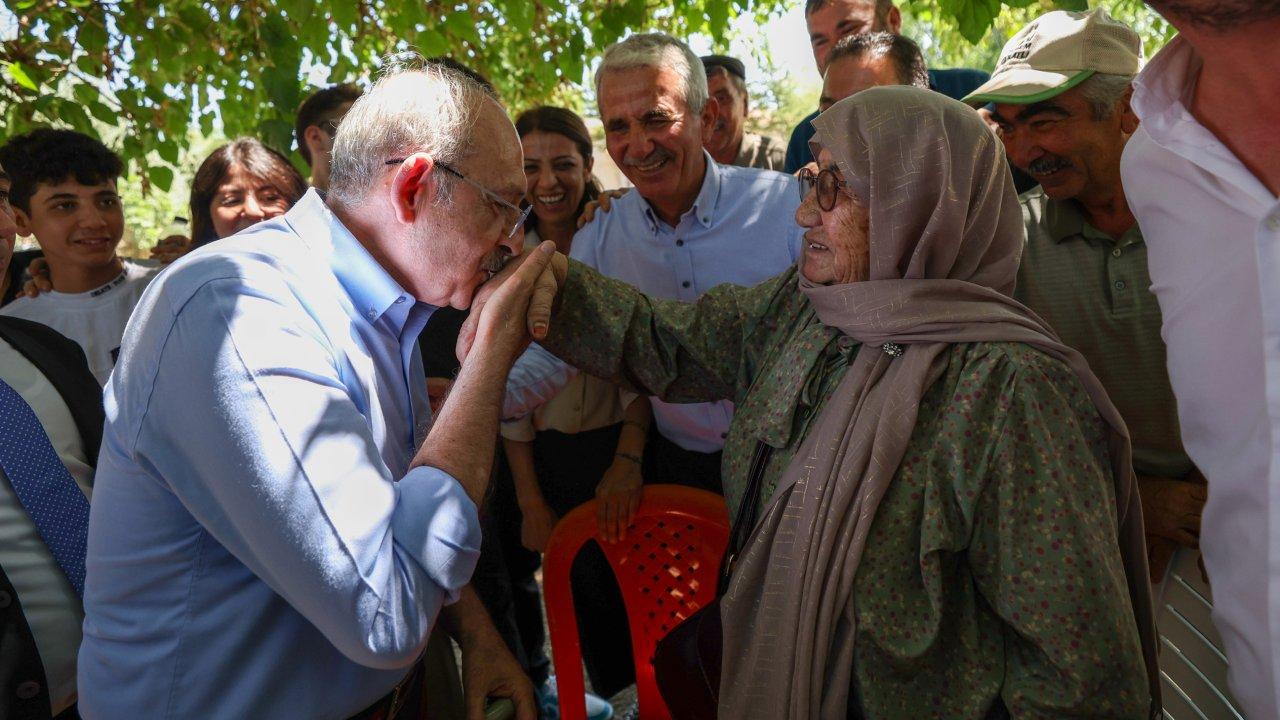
1096 293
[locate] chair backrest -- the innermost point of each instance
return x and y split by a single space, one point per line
666 566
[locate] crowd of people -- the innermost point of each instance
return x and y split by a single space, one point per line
968 358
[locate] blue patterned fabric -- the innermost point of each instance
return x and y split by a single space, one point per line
46 490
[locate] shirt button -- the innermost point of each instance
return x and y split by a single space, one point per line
686 284
1120 285
679 243
1274 223
1117 252
27 690
400 300
371 315
724 435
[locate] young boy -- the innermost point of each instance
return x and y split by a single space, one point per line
64 193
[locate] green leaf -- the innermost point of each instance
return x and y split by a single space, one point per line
1076 5
91 37
85 93
168 151
345 13
20 76
161 176
103 114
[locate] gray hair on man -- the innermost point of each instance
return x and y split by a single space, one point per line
1103 91
413 107
658 50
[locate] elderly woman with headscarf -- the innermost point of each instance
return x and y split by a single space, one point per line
949 526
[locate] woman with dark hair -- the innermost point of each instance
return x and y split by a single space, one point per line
583 444
241 183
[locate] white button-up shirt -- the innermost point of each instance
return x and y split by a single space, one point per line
1213 234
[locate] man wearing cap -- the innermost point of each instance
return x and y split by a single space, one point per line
1060 98
729 142
1203 179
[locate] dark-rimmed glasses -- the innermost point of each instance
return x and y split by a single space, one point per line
825 182
521 215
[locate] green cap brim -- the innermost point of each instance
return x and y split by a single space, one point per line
1001 98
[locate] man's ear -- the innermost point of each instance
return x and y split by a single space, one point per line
709 112
893 20
412 179
317 141
23 221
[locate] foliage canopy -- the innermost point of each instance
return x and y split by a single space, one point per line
243 66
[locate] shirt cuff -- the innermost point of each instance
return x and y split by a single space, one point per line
521 430
438 525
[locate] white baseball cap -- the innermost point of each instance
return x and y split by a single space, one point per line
1056 52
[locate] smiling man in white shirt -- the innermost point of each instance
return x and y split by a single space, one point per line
1202 175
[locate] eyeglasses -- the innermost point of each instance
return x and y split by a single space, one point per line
825 183
521 215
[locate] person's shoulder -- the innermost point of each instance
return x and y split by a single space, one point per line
12 325
757 179
258 263
20 307
1017 366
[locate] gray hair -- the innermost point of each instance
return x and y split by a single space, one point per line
1103 91
413 107
658 50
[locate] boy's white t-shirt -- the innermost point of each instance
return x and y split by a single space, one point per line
94 319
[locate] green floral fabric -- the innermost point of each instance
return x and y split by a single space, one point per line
992 579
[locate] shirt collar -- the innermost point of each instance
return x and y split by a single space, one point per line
704 206
1063 221
371 289
1162 99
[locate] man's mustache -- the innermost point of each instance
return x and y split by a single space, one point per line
1047 164
657 155
496 261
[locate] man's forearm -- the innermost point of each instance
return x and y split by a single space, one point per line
463 437
467 620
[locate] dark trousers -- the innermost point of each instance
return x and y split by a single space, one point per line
504 576
667 463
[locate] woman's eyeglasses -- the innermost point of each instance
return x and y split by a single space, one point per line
825 183
521 215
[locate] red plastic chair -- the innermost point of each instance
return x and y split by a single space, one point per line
667 567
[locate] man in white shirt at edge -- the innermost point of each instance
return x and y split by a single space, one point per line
269 542
64 193
1202 175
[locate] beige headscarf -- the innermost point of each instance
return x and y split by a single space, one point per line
945 236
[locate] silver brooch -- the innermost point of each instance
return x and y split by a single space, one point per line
893 349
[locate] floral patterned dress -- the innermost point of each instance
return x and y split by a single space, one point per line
991 584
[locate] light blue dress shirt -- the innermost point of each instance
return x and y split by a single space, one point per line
258 546
741 230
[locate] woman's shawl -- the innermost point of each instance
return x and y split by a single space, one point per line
945 239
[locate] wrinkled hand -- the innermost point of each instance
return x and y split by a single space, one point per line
1171 512
437 390
619 494
535 529
490 671
602 202
39 282
514 306
171 248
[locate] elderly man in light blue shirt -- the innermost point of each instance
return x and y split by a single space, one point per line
277 519
692 224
